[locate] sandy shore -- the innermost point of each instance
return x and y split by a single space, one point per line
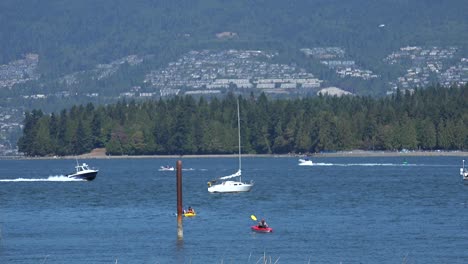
101 154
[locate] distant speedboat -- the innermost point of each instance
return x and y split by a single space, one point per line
305 162
166 168
83 172
464 171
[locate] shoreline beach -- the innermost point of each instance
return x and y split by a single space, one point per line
100 154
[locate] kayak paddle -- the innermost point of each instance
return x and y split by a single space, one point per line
253 217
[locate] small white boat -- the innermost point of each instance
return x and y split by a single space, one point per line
464 171
83 172
305 162
166 168
231 186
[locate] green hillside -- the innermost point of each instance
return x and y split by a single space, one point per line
76 35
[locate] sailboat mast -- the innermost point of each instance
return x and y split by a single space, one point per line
238 131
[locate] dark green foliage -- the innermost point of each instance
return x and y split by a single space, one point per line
28 142
434 118
71 36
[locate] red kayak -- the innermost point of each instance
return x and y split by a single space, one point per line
261 229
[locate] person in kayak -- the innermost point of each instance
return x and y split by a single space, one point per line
190 210
262 224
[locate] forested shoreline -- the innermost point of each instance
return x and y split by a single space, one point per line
426 119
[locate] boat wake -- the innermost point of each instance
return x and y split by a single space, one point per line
364 164
171 170
59 178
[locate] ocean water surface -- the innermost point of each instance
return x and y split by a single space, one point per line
341 210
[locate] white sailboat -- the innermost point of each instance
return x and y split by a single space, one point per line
228 184
464 171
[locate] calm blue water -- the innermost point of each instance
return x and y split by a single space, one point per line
344 210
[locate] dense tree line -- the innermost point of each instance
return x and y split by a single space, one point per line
433 118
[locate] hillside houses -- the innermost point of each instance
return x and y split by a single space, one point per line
334 58
10 124
19 71
241 69
428 65
102 71
457 74
212 73
324 53
105 70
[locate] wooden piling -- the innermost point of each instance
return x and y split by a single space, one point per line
180 229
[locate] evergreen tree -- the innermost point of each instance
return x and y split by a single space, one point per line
96 130
180 125
427 136
42 145
26 143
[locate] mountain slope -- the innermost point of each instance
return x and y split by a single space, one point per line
73 35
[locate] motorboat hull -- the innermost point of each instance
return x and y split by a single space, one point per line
261 229
83 172
88 176
230 187
305 162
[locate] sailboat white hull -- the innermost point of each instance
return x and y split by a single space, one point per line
230 187
464 171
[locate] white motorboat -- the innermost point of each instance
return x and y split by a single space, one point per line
464 171
166 168
305 162
225 184
83 172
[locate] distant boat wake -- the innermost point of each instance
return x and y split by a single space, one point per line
363 164
376 164
188 169
60 178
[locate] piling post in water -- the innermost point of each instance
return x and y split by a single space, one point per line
180 229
